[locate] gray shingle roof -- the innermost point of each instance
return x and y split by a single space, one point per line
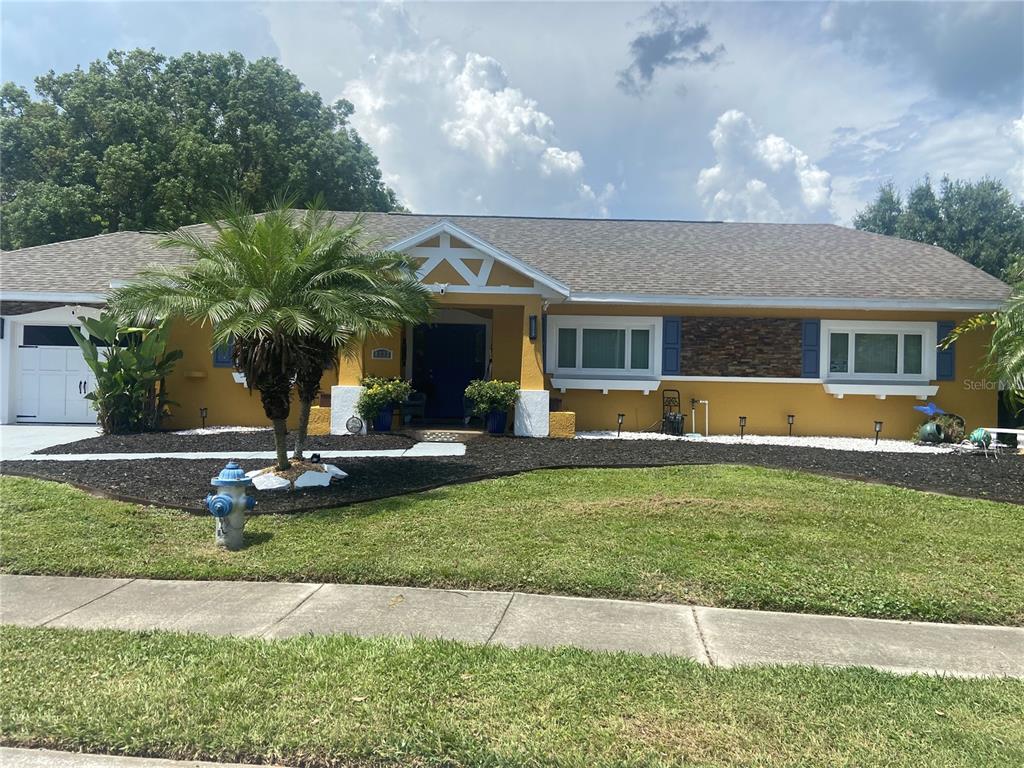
650 258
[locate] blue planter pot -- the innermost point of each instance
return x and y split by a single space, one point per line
382 421
496 422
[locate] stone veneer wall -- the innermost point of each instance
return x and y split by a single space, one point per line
741 346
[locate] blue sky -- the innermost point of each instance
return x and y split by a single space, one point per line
762 111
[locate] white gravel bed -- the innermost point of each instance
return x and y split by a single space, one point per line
828 443
219 430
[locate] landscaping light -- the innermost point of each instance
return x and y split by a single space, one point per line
621 417
789 420
533 327
202 415
743 425
878 429
315 458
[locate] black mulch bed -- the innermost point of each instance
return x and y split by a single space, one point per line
263 440
184 483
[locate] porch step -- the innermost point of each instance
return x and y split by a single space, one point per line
443 435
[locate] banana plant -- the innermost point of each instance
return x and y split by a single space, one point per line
131 365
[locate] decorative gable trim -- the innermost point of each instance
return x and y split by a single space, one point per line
445 230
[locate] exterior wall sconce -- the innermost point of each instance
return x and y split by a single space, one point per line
621 417
789 420
743 425
203 412
533 327
878 429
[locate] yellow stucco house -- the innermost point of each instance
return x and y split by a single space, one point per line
835 327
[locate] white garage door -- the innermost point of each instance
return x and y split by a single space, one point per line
53 378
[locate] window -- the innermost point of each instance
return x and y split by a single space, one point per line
224 356
566 347
604 346
871 351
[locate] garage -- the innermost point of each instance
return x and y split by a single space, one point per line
45 378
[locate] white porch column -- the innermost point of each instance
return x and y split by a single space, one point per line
343 407
532 413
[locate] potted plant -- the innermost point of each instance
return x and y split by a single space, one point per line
377 402
492 401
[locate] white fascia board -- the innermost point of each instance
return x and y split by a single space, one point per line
72 297
795 302
881 391
484 247
644 385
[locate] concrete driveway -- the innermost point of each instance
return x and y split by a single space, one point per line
20 440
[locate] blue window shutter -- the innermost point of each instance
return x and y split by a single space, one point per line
811 349
223 356
544 342
671 345
945 359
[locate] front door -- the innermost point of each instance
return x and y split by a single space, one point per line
446 357
53 378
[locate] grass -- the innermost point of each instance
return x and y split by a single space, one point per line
713 535
341 700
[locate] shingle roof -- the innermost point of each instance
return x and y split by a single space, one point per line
710 260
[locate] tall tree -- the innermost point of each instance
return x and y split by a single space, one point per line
143 141
883 215
978 221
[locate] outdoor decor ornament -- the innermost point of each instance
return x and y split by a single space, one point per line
930 410
229 505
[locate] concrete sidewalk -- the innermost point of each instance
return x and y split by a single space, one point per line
715 636
46 758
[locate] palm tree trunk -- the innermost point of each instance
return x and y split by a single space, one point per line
281 443
303 429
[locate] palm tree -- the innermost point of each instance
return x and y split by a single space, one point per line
271 284
1004 361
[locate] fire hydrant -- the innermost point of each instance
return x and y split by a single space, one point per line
229 505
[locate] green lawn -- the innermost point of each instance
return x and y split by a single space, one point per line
341 700
714 535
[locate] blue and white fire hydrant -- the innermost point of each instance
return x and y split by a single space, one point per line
229 505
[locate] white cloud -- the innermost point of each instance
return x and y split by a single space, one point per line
761 177
460 138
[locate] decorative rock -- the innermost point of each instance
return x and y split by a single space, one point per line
269 482
333 471
311 479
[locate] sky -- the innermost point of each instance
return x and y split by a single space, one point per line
782 112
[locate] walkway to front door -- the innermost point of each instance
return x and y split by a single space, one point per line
446 357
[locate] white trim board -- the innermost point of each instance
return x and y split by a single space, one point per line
744 379
71 297
793 302
446 227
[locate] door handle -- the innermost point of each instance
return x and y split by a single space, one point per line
79 386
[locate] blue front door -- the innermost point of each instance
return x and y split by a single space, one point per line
446 357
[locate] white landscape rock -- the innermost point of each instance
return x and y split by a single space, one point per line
867 445
311 479
268 481
333 471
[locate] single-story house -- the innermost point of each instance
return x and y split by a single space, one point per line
836 327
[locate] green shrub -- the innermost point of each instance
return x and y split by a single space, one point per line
490 396
380 394
130 365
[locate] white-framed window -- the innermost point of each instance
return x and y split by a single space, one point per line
867 350
587 345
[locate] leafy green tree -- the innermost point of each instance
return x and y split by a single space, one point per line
978 221
139 140
883 215
276 285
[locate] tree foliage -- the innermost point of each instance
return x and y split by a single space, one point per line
282 287
143 141
1004 361
978 221
130 366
